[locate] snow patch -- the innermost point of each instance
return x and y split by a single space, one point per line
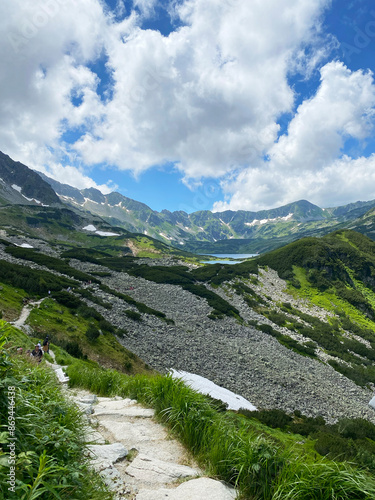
165 236
90 227
205 386
257 222
104 233
24 245
92 201
17 188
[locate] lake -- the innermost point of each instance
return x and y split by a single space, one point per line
222 256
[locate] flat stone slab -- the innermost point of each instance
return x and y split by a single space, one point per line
152 471
103 456
195 489
145 435
122 408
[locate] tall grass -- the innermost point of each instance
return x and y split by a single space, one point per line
228 446
324 481
50 448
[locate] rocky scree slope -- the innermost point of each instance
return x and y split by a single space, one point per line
229 352
234 355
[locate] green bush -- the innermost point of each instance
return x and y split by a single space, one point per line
133 315
92 333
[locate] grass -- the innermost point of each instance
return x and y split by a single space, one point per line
49 456
64 325
262 463
11 301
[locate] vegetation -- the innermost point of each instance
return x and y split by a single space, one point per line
69 327
262 463
49 458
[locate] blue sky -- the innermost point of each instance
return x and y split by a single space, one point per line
194 104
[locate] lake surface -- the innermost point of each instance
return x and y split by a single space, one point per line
222 256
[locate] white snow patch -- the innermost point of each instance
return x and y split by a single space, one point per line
256 222
17 188
205 386
90 227
145 232
24 245
92 201
182 243
104 233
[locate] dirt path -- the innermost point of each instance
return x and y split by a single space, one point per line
26 310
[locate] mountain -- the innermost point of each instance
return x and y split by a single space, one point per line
200 232
204 231
21 185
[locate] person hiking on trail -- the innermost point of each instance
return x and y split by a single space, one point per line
37 353
46 344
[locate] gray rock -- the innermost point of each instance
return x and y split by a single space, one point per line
195 489
104 456
152 471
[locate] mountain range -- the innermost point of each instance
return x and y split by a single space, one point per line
200 232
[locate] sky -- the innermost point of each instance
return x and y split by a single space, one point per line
193 104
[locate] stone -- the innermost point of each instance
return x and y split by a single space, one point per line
103 456
122 408
196 489
152 471
372 403
88 399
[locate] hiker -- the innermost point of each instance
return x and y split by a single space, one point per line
46 344
37 353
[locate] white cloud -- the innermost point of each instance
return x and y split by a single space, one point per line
145 6
207 96
305 163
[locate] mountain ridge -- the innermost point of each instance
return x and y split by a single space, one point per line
201 231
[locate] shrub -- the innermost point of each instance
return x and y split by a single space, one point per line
133 315
92 333
74 350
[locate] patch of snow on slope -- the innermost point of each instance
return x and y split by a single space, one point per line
165 236
24 245
91 201
255 222
17 188
90 227
36 201
104 233
205 386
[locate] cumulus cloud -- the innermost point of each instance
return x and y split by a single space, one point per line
145 6
307 162
207 98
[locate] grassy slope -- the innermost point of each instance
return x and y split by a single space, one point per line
49 458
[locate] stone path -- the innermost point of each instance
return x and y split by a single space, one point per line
136 456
